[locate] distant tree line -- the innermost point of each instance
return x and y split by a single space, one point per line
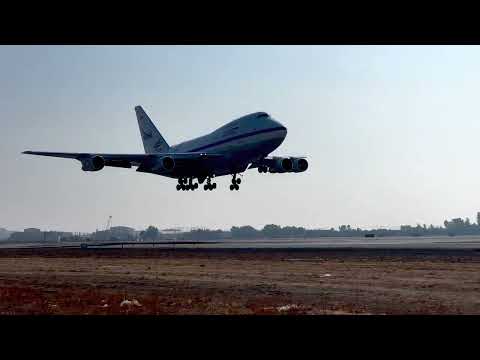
456 226
150 234
453 227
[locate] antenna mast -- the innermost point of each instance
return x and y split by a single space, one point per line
109 223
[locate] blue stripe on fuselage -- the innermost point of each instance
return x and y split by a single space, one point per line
238 137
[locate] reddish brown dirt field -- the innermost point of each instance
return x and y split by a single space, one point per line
155 281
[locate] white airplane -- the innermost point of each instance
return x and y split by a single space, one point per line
242 143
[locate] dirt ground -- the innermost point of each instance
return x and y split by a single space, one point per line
197 281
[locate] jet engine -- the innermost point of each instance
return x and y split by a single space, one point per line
281 165
299 164
166 163
92 163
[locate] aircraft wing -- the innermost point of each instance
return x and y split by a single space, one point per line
129 160
110 159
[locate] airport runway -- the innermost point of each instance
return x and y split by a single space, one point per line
464 242
403 242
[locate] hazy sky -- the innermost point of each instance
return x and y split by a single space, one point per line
391 133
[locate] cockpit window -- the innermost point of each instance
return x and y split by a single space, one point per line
262 114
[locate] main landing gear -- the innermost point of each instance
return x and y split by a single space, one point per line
209 185
235 183
187 183
183 185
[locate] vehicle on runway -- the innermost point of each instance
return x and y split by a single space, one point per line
244 143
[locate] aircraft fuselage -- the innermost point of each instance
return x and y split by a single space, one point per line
241 141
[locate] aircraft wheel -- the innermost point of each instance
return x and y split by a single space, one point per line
179 187
239 181
196 186
214 185
205 187
231 187
236 187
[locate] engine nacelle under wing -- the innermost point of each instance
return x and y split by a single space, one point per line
92 163
281 165
165 163
299 164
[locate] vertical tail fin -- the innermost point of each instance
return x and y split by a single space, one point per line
153 141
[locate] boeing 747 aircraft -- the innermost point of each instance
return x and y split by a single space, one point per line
242 144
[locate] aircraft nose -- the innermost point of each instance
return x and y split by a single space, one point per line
278 134
277 124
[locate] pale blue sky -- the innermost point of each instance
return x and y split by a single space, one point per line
391 133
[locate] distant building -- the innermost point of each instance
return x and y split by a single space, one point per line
116 233
36 235
56 236
171 231
28 235
124 233
4 234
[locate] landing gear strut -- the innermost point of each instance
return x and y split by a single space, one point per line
182 184
209 185
235 183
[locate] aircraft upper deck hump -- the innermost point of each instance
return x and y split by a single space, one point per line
153 141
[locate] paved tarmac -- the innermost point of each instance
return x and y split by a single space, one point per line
403 242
